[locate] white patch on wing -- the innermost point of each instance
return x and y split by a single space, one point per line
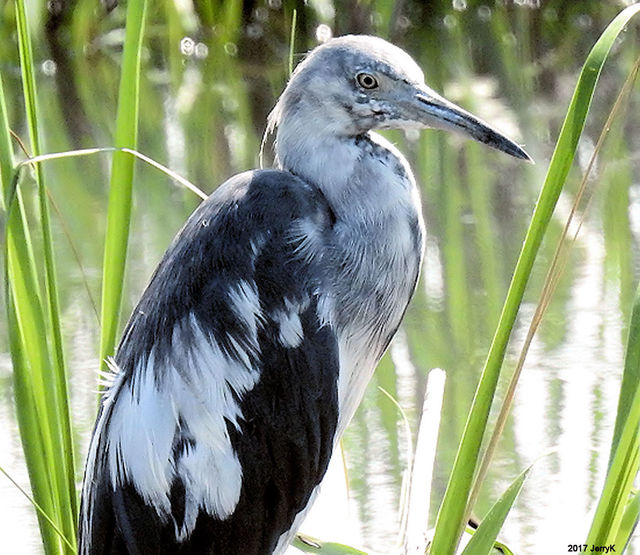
306 237
326 310
288 320
256 244
290 329
139 439
198 387
245 303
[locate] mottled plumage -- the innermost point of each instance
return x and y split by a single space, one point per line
251 348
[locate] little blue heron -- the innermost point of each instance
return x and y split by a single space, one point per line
253 343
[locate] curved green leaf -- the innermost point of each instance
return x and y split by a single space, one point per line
484 538
310 545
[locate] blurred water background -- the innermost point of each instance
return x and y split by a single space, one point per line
212 71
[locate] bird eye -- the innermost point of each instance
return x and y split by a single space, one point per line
367 81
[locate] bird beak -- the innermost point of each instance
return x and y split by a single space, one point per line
435 111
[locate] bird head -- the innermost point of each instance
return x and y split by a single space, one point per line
357 83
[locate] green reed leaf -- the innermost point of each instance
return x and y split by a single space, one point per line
450 521
119 209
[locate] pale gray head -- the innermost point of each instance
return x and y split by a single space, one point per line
355 83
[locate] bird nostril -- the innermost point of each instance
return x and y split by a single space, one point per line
425 100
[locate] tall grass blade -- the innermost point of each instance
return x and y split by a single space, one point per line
625 462
17 243
292 39
619 480
631 375
629 521
40 377
485 536
31 360
119 209
29 86
450 521
6 153
29 421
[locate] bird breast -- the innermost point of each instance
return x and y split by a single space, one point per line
378 245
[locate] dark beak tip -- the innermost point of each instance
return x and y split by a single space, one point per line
522 154
509 147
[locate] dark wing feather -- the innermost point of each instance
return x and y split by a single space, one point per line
249 229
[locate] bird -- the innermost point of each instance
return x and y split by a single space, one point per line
252 345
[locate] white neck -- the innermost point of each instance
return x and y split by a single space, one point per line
353 181
315 150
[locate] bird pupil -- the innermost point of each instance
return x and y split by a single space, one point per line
367 81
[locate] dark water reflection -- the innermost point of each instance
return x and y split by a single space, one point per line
206 91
